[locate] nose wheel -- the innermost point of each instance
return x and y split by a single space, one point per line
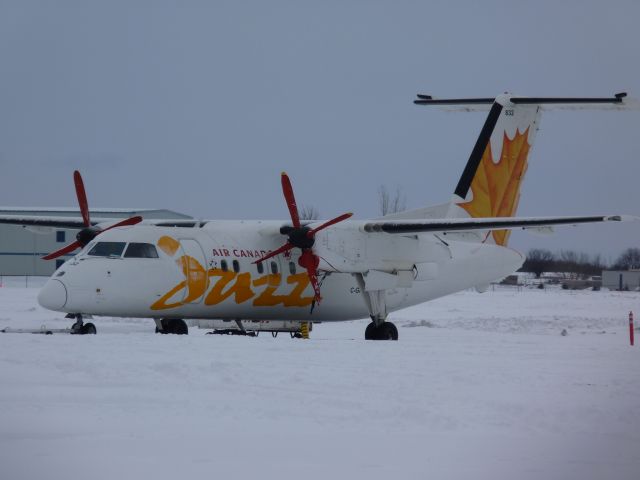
81 328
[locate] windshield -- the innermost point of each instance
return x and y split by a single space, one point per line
107 249
141 250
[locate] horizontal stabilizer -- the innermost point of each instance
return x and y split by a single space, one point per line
617 101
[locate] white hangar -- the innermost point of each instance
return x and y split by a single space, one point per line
21 248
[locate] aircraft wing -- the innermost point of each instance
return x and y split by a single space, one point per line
77 222
497 223
46 221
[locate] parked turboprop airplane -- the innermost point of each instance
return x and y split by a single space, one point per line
309 271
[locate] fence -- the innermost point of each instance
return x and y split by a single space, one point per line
22 281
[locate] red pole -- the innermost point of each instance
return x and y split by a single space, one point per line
631 328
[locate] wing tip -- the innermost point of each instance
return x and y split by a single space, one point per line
622 218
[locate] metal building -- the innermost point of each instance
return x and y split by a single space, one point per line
21 248
621 279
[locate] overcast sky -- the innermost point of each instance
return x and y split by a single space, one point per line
198 106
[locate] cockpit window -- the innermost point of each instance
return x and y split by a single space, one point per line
107 249
141 250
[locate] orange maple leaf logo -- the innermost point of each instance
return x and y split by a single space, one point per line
496 186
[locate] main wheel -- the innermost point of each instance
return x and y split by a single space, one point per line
175 326
386 331
371 333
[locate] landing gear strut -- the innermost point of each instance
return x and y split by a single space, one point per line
81 328
174 326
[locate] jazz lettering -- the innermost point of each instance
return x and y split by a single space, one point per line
219 285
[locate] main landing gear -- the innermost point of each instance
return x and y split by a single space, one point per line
376 301
81 328
175 326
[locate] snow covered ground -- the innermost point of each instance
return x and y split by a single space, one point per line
479 386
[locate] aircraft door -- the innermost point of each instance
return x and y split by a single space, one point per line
194 265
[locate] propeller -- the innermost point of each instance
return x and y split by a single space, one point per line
89 232
302 237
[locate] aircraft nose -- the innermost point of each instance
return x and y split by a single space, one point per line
53 295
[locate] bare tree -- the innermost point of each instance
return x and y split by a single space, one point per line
391 204
572 263
309 212
569 261
629 259
538 261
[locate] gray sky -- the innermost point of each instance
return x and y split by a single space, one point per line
198 108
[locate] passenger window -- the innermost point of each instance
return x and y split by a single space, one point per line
141 250
223 265
292 268
107 249
236 266
260 267
274 267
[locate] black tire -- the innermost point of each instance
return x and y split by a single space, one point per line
386 331
174 326
88 329
371 333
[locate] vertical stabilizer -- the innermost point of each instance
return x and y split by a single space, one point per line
490 183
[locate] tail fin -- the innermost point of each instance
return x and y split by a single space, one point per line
490 183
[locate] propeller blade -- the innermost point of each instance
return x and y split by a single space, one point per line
287 190
124 223
342 217
316 288
63 251
285 248
82 198
309 261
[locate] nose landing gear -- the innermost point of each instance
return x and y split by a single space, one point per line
81 328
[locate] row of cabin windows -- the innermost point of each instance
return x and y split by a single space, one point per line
224 266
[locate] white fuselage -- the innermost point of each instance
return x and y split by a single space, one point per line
212 275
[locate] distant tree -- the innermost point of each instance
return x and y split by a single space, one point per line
309 212
391 204
629 259
538 261
595 266
567 261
